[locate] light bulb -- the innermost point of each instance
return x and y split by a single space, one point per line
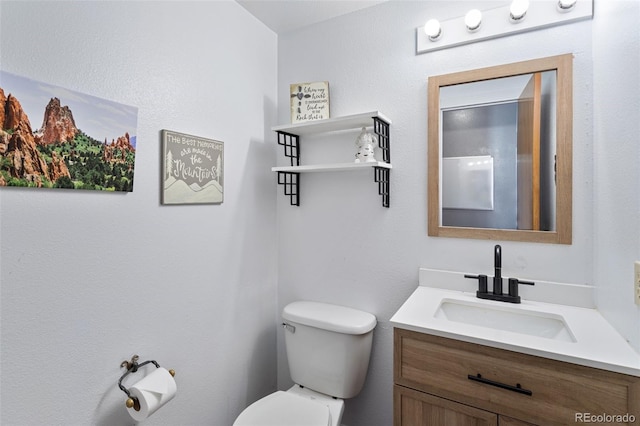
518 10
473 19
566 5
432 29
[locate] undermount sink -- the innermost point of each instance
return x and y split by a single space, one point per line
560 331
533 323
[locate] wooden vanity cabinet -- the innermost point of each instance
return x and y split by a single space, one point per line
440 381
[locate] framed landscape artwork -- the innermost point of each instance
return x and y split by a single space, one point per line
84 142
193 169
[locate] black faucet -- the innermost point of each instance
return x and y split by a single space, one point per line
497 269
496 294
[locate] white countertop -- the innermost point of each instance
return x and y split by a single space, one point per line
597 344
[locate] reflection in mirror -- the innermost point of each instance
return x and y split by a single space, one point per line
513 128
500 152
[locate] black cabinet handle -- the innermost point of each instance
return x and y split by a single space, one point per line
517 388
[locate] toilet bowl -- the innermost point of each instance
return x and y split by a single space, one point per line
328 350
295 407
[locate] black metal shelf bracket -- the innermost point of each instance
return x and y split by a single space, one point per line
382 178
291 146
381 128
291 182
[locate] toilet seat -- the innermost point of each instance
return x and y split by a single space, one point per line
284 409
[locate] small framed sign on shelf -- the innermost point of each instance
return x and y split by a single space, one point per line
193 169
309 101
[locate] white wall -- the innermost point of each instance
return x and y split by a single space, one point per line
89 279
341 246
616 43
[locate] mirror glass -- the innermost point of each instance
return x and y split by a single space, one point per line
500 152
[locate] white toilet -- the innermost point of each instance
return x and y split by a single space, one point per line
328 349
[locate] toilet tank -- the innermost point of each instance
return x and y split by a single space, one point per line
328 346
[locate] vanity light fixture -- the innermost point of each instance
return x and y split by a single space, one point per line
513 17
433 29
566 5
473 20
518 10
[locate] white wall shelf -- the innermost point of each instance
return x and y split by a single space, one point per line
346 122
334 167
289 138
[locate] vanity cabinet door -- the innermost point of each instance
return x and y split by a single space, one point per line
415 408
509 421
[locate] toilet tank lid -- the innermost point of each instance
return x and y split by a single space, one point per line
339 319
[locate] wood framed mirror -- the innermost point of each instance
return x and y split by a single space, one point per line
500 152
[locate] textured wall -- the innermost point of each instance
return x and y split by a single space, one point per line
89 279
341 246
616 45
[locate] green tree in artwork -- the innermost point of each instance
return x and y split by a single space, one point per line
63 182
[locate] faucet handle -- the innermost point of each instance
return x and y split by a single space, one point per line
482 282
513 286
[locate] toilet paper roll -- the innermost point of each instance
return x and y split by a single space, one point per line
153 391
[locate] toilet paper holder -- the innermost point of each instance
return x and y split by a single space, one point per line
132 367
